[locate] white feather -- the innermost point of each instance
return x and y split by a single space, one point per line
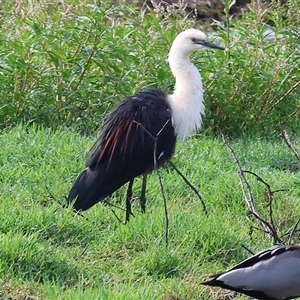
187 100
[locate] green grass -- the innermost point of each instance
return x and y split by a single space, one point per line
49 253
66 66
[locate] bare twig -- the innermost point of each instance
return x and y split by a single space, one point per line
159 176
65 205
83 251
53 198
116 206
247 249
270 231
113 205
161 185
292 231
165 208
290 144
270 193
117 216
248 196
268 228
191 186
287 93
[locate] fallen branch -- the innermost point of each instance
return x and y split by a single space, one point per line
245 186
247 249
106 202
290 144
290 233
55 199
191 186
270 193
268 228
83 251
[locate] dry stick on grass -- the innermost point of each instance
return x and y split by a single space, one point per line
245 185
290 144
159 176
112 210
53 198
249 199
292 231
116 206
160 180
247 249
270 193
83 251
79 213
191 186
63 205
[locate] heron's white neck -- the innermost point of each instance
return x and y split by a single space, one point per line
187 99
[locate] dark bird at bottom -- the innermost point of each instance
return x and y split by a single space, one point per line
146 123
272 274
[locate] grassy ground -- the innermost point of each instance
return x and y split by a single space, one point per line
48 253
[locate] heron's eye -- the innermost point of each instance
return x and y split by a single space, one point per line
193 40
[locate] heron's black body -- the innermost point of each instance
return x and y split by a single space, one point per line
125 148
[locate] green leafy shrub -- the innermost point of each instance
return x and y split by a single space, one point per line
256 86
68 65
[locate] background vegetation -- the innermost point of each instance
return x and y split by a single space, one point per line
67 63
63 65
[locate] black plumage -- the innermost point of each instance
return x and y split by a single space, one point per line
125 148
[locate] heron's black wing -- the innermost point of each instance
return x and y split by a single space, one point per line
125 148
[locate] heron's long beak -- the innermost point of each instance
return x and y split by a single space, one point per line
209 44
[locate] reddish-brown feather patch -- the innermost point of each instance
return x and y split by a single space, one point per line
129 130
121 133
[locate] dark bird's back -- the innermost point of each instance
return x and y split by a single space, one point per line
125 148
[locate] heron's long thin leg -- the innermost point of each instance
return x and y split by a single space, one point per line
143 194
128 201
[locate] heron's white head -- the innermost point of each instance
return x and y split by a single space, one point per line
187 100
189 41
